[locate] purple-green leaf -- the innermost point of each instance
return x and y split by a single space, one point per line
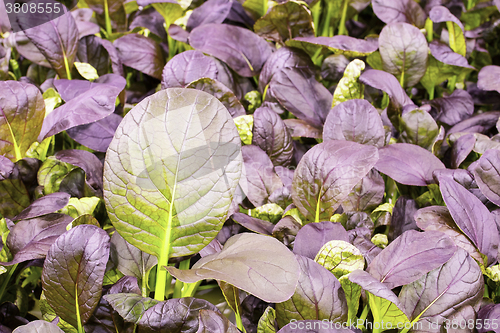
22 110
73 273
326 175
318 296
271 278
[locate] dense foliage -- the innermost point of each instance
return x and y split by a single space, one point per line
250 165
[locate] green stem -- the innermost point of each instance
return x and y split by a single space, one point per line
343 18
402 79
451 34
6 281
15 68
109 30
239 322
172 49
66 66
77 310
429 29
326 22
316 14
452 81
470 4
363 316
144 285
431 94
184 265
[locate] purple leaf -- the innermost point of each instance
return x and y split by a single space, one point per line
97 135
31 239
44 205
454 108
93 105
57 40
408 164
284 57
141 53
408 11
261 179
253 224
272 136
438 218
311 237
440 293
318 296
22 110
271 278
410 256
299 92
69 89
241 49
355 120
487 175
472 217
187 67
488 78
73 272
326 175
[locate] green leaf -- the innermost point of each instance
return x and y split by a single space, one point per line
386 311
257 8
171 170
271 278
285 21
349 86
73 273
244 124
222 93
170 11
352 294
419 128
21 115
52 100
48 314
14 197
51 174
266 321
340 258
170 173
130 307
86 71
78 207
269 212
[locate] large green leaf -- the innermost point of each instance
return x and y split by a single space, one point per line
340 258
14 197
171 171
22 110
419 128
